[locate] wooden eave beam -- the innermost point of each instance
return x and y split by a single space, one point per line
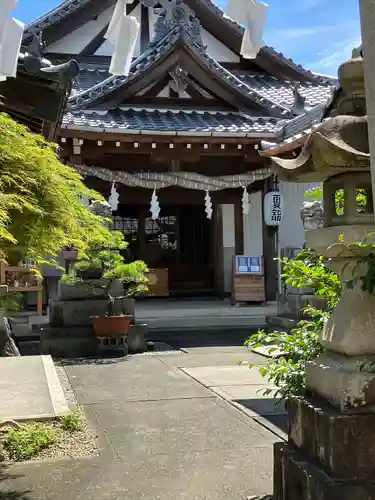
107 136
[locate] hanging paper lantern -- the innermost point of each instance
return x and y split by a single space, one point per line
245 202
114 198
208 205
155 207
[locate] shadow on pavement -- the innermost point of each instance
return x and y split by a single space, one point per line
269 411
181 339
5 475
108 359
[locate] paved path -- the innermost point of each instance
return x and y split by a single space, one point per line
164 430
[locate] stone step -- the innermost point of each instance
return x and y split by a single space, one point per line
30 389
282 323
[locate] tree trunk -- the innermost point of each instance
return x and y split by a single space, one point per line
7 345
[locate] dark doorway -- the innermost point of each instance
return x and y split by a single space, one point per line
180 240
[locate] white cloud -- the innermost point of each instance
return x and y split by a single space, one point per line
303 5
293 33
339 52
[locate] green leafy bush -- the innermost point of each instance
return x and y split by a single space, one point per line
40 200
301 344
26 441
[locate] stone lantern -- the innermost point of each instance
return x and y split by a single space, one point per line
330 454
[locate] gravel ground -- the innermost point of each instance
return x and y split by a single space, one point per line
76 444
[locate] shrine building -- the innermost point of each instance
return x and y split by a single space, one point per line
182 131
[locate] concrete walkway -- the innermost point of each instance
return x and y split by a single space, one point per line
164 431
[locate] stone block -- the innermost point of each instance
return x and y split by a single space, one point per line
344 445
136 339
294 305
297 478
80 312
298 290
342 382
89 289
71 342
282 323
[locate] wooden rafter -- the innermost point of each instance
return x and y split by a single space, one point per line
95 43
159 86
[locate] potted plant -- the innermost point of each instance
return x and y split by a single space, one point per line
133 278
106 269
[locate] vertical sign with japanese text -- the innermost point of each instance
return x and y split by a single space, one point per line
273 208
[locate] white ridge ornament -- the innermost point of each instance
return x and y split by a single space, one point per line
114 198
208 205
245 202
155 207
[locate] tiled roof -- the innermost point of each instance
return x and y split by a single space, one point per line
166 120
63 10
149 59
295 132
281 91
88 77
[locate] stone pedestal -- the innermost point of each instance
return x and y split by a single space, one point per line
70 332
329 455
137 338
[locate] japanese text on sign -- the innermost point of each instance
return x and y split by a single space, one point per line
273 208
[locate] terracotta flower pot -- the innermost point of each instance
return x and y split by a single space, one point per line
111 326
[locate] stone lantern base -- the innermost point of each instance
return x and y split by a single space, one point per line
329 455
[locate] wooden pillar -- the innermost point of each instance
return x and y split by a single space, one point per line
145 29
239 227
269 252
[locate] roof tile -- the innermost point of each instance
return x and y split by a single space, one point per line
171 121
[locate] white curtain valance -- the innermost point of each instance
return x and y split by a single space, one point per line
187 180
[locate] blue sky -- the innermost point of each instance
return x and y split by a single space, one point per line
319 34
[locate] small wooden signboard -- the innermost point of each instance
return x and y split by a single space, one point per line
248 283
158 283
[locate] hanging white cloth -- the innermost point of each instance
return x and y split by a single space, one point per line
122 33
208 205
245 202
10 45
154 206
5 7
114 198
252 14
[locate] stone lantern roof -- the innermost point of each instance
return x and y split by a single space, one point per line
340 143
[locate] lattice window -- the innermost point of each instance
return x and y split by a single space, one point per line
126 225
